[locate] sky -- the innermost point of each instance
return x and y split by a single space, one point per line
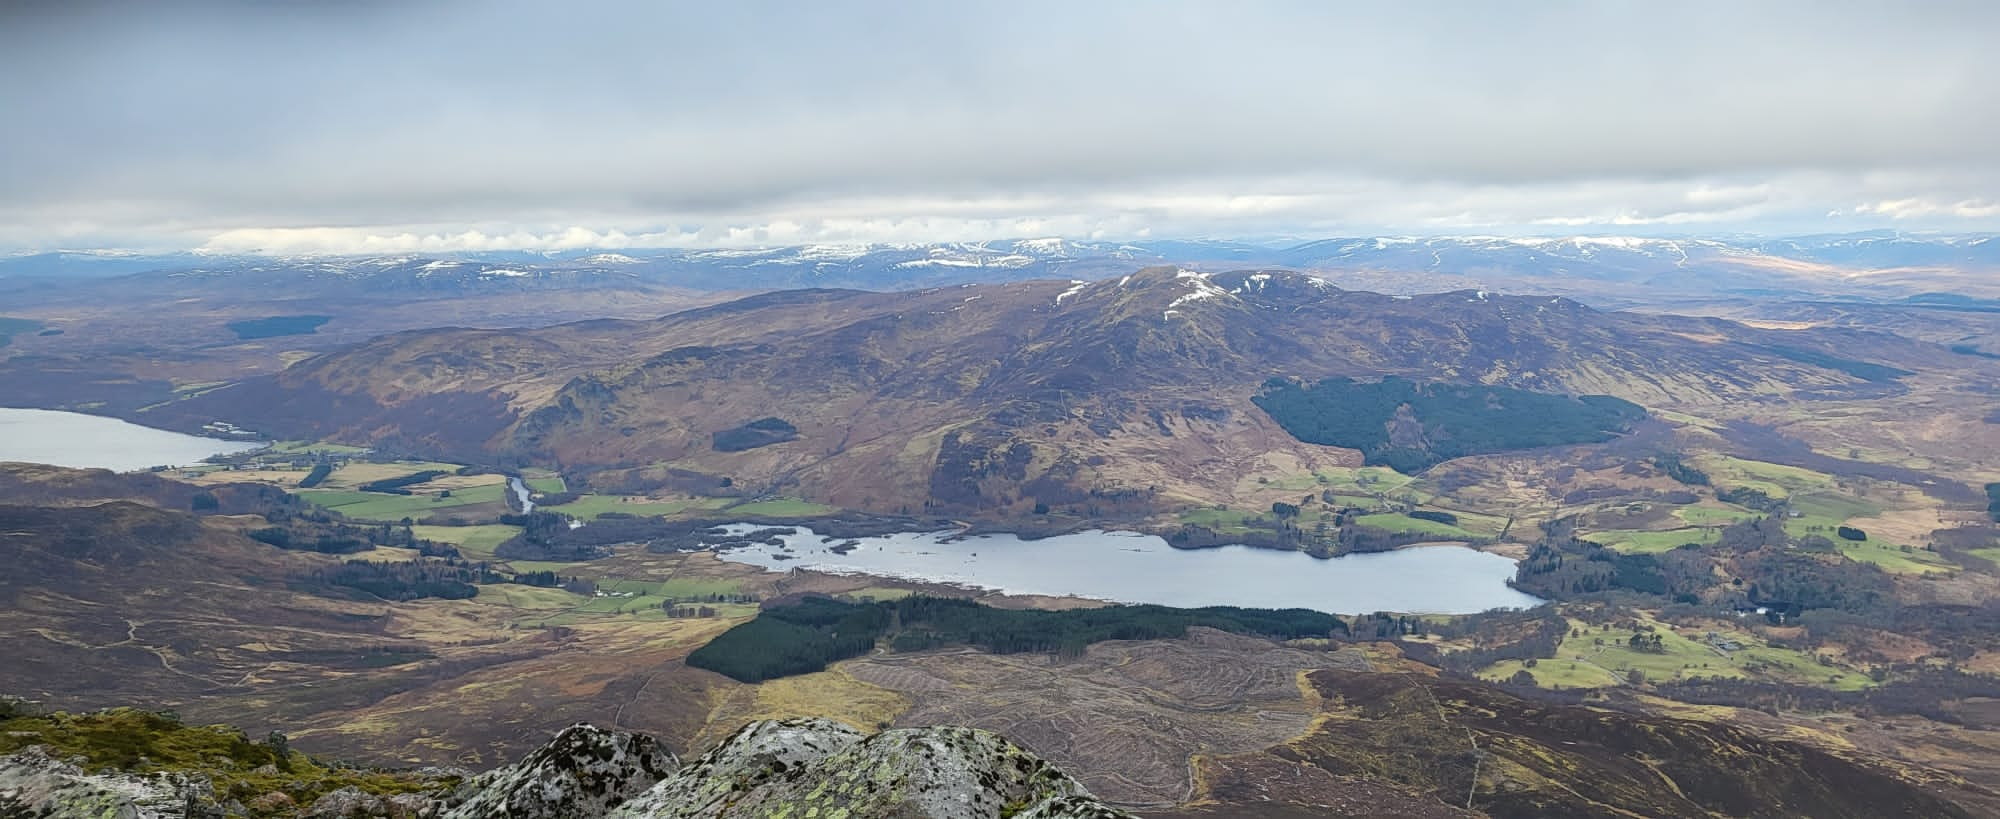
389 125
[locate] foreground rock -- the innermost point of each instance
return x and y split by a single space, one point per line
583 772
814 767
34 785
795 767
787 768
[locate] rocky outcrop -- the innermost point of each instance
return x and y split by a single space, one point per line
793 767
347 803
749 759
354 803
584 772
784 768
820 768
34 785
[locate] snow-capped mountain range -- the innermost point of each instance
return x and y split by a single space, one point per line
1841 261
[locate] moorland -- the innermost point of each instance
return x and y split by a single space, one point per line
1771 538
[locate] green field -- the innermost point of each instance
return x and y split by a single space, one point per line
680 588
1990 554
528 597
622 605
374 506
1776 480
782 508
1712 515
546 484
361 472
1478 523
475 542
1396 522
594 612
588 507
1367 481
1820 514
1223 521
651 595
1644 542
1356 501
1360 487
1892 558
1582 663
1293 482
1473 526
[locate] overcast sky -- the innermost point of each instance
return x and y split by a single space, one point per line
390 125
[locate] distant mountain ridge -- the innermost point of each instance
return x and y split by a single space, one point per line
1853 264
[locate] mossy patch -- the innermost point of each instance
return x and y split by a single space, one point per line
145 742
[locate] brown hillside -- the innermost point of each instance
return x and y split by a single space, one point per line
987 399
1471 745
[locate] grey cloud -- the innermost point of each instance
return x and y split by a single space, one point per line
220 115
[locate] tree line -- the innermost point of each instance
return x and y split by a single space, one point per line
804 635
1408 426
1679 470
395 486
317 476
404 580
336 537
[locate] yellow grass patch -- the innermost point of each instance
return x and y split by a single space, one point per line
833 694
274 477
356 474
456 482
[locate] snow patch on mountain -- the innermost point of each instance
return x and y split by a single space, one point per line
1045 247
1076 286
1202 289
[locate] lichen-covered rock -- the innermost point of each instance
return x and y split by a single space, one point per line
411 806
33 784
799 768
582 773
1071 807
796 768
753 755
348 803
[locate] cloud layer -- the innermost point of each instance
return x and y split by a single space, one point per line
306 125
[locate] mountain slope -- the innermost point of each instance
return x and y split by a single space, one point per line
130 601
1472 745
995 397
